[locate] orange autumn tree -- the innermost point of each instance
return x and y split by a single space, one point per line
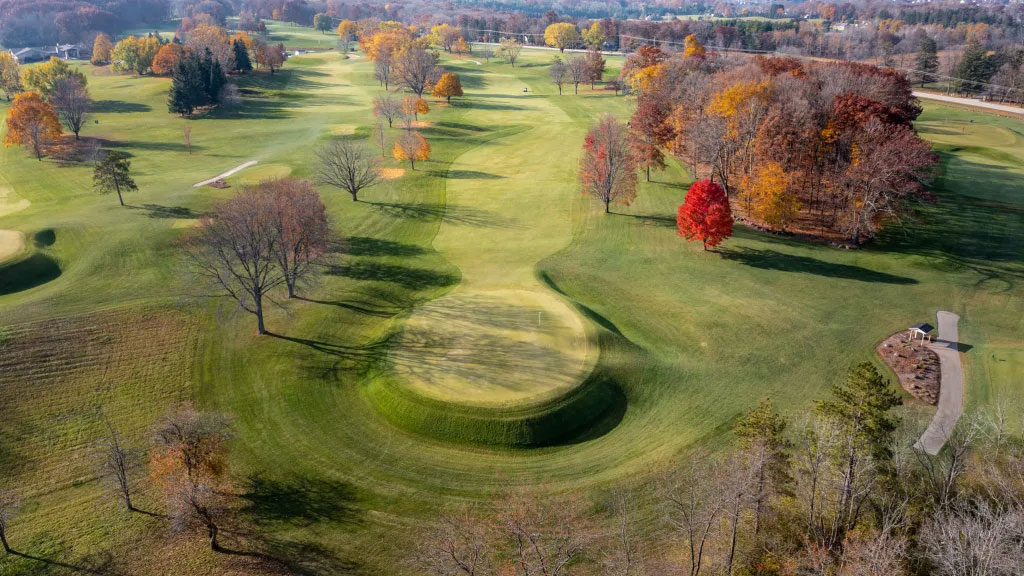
31 123
166 59
412 107
411 146
448 86
188 462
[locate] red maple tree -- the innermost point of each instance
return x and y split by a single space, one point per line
705 214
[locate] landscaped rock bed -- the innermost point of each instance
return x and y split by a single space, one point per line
916 366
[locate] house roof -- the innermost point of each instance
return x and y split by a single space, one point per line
923 327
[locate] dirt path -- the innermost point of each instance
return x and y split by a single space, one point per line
226 174
969 102
951 393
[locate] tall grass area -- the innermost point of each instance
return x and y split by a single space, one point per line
334 477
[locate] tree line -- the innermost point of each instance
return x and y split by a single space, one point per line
826 149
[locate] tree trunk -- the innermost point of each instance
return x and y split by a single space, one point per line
259 315
212 530
413 163
607 207
117 187
648 173
732 541
355 196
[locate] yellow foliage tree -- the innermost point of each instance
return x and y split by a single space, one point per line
594 36
31 123
101 50
42 77
448 86
692 47
10 75
561 35
642 79
413 106
411 146
460 47
768 196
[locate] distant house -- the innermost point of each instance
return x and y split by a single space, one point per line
63 51
26 55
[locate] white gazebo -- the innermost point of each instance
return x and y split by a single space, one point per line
921 330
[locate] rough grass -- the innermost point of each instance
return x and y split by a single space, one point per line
687 340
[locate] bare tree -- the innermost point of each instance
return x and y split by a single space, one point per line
975 538
8 509
416 69
388 107
460 543
383 66
509 49
189 463
380 138
942 473
348 166
695 506
117 462
873 554
544 537
71 101
558 72
623 556
234 250
576 68
299 220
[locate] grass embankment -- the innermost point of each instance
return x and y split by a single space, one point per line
687 340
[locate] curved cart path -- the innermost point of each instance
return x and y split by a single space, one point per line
951 393
226 174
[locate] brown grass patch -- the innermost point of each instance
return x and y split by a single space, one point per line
391 173
916 367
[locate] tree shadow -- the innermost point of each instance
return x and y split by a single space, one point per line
341 358
45 238
469 175
100 565
298 501
119 107
36 270
367 308
448 213
772 260
158 211
305 558
662 221
367 246
475 104
406 277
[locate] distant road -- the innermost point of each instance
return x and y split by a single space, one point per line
970 102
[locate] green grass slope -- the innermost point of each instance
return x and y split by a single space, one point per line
685 340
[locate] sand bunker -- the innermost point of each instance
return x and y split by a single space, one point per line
11 244
10 202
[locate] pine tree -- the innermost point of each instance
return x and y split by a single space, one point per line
179 100
927 58
242 61
975 68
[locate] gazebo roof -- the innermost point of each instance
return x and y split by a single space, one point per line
922 327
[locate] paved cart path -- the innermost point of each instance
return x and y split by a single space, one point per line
951 393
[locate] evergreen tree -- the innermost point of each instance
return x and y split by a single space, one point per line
975 68
927 59
179 100
242 61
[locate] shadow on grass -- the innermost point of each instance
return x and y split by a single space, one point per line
101 565
45 238
367 308
475 104
663 221
772 260
341 358
36 270
469 175
298 501
448 213
366 246
119 107
406 277
158 211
